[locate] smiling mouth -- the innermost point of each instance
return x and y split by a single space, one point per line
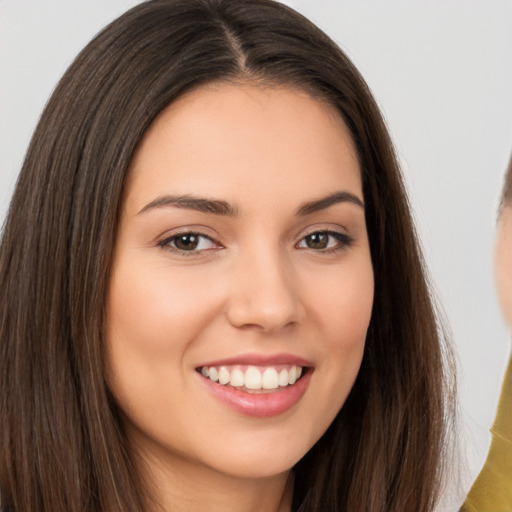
254 379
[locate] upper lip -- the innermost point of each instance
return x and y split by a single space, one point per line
260 360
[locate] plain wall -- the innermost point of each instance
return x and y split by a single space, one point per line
441 72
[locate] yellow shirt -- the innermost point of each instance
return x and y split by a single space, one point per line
492 490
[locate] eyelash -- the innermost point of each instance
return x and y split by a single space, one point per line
168 242
343 241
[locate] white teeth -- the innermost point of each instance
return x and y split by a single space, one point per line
254 378
269 379
223 375
283 377
214 374
237 378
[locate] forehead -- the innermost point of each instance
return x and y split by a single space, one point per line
250 137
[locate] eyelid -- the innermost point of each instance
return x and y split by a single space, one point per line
192 229
323 228
164 241
345 240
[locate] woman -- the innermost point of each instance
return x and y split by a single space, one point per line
213 296
492 489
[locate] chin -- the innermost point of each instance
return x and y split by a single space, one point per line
256 459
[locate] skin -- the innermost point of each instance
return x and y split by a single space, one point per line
492 488
503 257
253 286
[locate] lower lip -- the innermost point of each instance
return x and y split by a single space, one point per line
262 405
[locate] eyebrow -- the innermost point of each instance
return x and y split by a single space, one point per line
215 206
325 202
219 207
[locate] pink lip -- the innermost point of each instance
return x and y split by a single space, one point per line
260 360
262 405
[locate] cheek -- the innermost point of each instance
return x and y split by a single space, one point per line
503 264
343 312
503 276
343 305
151 321
150 313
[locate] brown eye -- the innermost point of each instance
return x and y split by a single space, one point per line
325 240
188 242
317 240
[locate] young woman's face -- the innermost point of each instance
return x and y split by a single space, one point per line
503 263
242 283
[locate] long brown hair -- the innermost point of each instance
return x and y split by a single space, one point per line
62 445
506 193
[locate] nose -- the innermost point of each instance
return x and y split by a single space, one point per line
264 294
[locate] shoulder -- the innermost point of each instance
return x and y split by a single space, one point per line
492 489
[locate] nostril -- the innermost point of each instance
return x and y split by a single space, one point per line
257 314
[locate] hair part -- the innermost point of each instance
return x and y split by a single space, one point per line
62 443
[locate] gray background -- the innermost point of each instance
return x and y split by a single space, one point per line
441 72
